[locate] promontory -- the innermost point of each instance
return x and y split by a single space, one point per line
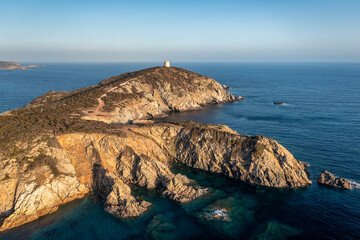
14 65
104 139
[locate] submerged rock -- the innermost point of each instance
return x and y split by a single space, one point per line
230 216
280 103
274 230
161 228
327 178
219 214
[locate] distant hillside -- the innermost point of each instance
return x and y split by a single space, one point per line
13 65
9 65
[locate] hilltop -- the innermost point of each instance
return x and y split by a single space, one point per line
144 94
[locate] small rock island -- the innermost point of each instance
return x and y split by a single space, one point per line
280 103
14 65
327 178
105 138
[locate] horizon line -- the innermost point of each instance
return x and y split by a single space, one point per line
140 62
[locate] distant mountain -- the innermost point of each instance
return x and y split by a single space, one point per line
14 65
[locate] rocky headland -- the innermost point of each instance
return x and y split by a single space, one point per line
105 138
14 65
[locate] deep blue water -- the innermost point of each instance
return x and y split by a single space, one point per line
320 126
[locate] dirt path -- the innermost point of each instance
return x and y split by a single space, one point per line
101 105
101 102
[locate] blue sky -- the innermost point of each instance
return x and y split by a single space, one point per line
197 30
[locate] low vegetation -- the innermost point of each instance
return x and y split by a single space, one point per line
56 113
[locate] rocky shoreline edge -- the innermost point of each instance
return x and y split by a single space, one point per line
102 140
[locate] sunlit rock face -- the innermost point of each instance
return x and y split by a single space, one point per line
65 145
327 178
140 155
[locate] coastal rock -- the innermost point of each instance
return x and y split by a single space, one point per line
33 199
139 154
257 160
151 173
61 146
178 189
117 195
230 216
327 178
280 103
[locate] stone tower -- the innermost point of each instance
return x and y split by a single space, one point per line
167 64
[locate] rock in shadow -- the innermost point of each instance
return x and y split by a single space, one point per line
116 195
273 230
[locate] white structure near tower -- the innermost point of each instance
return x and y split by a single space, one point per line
167 64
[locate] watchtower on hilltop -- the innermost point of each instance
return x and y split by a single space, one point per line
167 64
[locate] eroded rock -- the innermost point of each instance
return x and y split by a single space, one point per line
117 195
257 160
327 178
140 155
61 146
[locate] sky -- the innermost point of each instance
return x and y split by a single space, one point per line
182 30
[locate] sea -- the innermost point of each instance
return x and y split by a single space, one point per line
320 125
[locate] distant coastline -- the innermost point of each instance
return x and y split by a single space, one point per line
15 65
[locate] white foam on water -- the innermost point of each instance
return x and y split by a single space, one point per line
220 213
355 184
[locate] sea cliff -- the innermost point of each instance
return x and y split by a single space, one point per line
99 140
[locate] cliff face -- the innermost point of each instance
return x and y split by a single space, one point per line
66 168
64 145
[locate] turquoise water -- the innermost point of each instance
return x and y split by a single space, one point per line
320 125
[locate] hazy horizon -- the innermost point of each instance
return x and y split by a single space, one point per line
202 31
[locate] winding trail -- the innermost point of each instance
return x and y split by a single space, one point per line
98 109
101 102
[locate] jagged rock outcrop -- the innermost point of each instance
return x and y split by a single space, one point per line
257 160
36 185
53 151
80 162
116 194
151 173
327 178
